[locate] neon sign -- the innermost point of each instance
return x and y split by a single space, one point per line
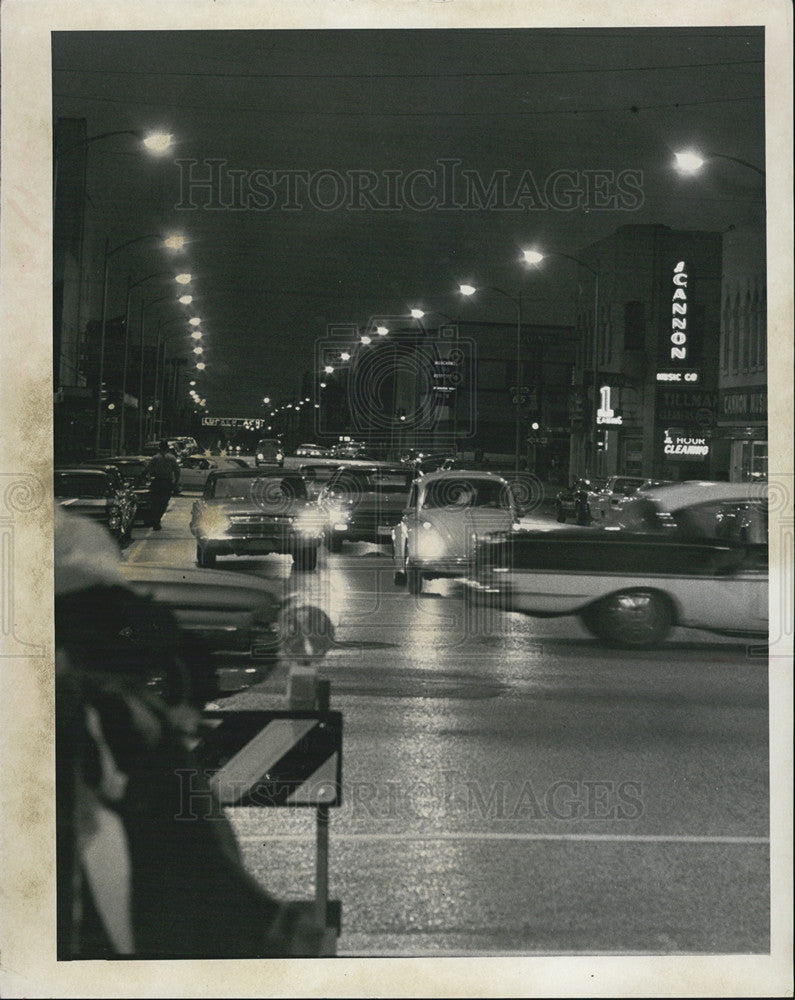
685 446
606 414
679 314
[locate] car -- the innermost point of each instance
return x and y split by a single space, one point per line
229 621
196 468
317 474
362 503
445 514
573 501
250 512
690 554
312 451
99 494
614 490
349 449
269 451
133 471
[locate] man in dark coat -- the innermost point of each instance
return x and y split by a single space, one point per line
163 471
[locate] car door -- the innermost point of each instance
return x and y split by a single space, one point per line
400 533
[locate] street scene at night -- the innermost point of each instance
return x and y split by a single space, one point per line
414 530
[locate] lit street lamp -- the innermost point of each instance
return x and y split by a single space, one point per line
534 258
469 291
688 161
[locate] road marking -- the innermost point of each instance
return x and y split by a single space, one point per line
626 838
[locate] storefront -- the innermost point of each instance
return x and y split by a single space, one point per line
742 431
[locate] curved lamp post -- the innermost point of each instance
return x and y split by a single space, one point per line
534 258
688 161
156 143
470 290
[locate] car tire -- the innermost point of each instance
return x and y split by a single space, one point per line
632 619
334 542
205 557
305 559
399 578
561 515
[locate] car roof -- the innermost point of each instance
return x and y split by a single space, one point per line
677 495
248 472
83 470
430 477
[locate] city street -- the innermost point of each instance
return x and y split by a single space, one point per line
512 786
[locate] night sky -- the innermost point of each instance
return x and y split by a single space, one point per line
578 126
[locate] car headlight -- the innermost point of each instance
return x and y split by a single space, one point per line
260 456
214 523
308 523
430 544
338 516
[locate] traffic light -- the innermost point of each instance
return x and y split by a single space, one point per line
601 440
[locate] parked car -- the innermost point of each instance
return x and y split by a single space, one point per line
196 468
613 492
362 503
100 494
133 471
573 501
269 451
445 514
251 512
229 621
669 560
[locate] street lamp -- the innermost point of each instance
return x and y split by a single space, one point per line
468 291
108 253
688 161
155 143
534 258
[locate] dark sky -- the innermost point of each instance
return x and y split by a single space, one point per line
501 103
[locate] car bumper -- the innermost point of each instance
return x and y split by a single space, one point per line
458 566
283 543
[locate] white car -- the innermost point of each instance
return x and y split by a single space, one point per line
446 513
691 554
196 468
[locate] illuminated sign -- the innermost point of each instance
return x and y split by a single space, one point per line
677 444
250 423
679 314
605 414
677 377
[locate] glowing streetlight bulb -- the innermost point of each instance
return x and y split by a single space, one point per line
192 382
323 385
532 256
197 335
345 356
195 321
382 331
186 299
688 161
467 289
266 400
417 313
183 279
329 369
175 242
198 350
158 142
201 366
365 340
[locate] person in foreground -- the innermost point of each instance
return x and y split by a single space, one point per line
141 874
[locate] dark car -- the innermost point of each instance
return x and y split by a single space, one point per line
363 503
253 512
100 494
573 501
133 471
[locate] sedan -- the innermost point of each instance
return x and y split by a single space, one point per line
251 512
228 622
445 515
100 494
692 555
362 503
196 468
133 471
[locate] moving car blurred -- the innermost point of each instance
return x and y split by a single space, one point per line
268 452
614 491
362 503
689 554
229 621
100 494
573 501
196 468
253 512
445 514
317 474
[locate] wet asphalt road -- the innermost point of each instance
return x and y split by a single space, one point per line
513 787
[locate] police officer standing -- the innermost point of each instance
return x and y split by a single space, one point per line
163 471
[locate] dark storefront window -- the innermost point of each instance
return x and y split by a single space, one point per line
634 326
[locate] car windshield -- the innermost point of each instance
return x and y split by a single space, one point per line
380 481
73 484
318 473
457 493
264 490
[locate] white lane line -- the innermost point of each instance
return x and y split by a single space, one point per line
625 838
